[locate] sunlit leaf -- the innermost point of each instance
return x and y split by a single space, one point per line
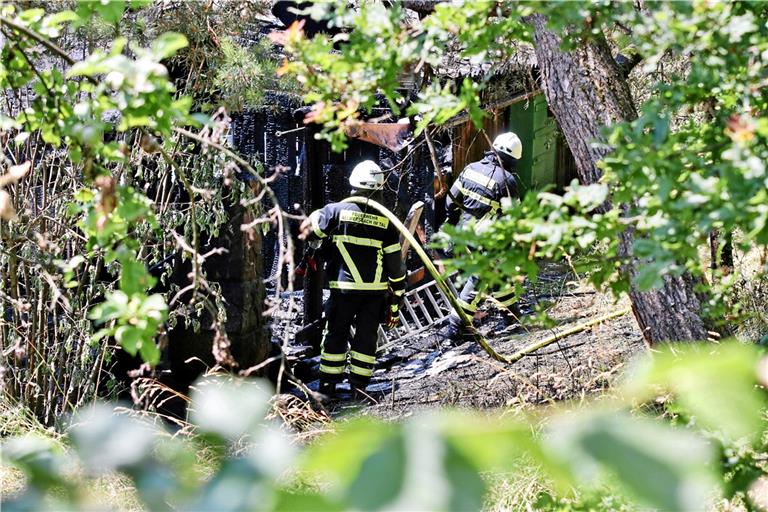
238 485
168 44
107 441
228 407
717 384
110 10
150 352
381 476
662 467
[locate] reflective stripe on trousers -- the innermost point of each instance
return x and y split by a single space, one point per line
364 312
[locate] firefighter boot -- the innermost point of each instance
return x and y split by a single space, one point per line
327 388
456 333
510 318
359 393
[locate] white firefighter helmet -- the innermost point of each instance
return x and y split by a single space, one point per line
509 144
367 175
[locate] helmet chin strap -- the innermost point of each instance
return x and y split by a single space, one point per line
509 162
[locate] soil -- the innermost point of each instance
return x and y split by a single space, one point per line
425 371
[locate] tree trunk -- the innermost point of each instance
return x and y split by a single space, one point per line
586 90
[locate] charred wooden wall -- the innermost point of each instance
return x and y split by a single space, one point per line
311 175
255 135
469 142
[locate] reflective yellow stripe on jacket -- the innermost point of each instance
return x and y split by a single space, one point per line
314 221
480 198
479 178
359 284
392 248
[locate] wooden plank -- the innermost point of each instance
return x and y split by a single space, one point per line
411 222
309 332
416 276
464 117
316 155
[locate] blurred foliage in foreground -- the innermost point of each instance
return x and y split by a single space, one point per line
689 426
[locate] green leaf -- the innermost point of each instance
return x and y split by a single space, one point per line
110 10
303 501
742 478
84 195
650 275
466 486
662 467
89 67
129 338
132 205
660 130
381 476
149 352
492 445
134 277
168 44
114 306
228 407
717 384
106 441
198 120
31 15
238 485
155 307
100 334
339 456
38 456
56 19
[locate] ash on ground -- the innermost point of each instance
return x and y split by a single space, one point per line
426 371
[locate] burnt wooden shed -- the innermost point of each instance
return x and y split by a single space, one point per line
310 175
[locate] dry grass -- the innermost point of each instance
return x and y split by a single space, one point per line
17 420
115 490
304 422
516 491
12 481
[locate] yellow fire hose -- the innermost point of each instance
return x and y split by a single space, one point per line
533 347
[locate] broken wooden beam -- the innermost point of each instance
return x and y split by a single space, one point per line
411 223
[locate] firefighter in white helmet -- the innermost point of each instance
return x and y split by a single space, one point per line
363 266
477 195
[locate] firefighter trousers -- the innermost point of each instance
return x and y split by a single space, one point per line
471 293
363 311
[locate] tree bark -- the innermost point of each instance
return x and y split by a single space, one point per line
586 91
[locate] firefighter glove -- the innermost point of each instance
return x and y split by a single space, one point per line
309 264
393 316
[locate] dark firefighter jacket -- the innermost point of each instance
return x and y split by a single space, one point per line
479 189
364 253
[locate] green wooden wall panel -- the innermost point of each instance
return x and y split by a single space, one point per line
538 133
